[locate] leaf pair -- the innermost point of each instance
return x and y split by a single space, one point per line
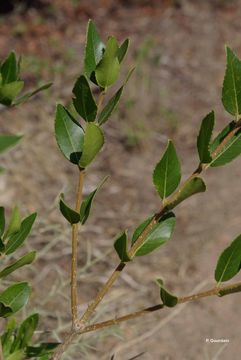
167 176
209 150
14 298
157 236
78 146
10 83
16 340
102 63
72 216
167 298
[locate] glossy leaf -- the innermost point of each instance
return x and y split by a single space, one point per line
204 138
94 49
17 239
168 299
69 135
41 350
14 223
70 215
159 235
24 260
25 332
229 152
14 298
84 102
29 94
120 245
231 93
2 220
194 186
110 107
167 173
8 141
87 202
139 230
93 142
121 53
229 262
8 92
113 102
108 69
9 69
219 138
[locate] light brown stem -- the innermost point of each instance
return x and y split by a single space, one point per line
75 228
216 291
100 101
220 291
91 308
81 325
115 275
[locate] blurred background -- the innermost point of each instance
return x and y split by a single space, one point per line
178 49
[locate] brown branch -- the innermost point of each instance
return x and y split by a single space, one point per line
80 325
75 228
216 291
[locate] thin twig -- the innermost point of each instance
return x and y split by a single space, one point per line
100 101
81 324
75 228
1 351
216 291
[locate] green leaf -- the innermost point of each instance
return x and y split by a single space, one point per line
2 220
168 299
8 141
9 69
113 102
93 142
29 94
2 246
139 230
8 92
167 173
18 355
24 260
120 245
70 215
69 135
14 298
204 138
84 102
194 186
229 152
229 262
7 337
94 49
108 69
17 239
121 53
41 350
158 236
231 93
110 107
219 138
25 332
87 202
14 224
